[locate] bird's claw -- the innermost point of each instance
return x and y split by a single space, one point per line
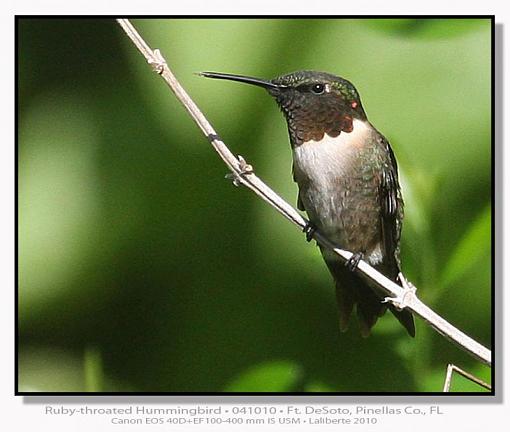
353 261
309 231
244 169
402 301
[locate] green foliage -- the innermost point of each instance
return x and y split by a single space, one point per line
142 269
93 370
426 27
276 376
475 242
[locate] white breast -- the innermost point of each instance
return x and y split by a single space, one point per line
319 161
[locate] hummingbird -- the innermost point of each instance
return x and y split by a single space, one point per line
347 179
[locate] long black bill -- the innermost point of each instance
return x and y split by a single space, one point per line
243 79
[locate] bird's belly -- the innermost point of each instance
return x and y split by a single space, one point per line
339 196
349 217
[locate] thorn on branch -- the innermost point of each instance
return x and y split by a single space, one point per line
402 301
158 63
244 169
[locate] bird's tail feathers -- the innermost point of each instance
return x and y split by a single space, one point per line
405 318
351 290
345 302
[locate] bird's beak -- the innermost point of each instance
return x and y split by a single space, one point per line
244 79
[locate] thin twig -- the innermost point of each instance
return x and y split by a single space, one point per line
243 174
449 375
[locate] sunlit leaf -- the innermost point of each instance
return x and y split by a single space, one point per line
276 376
58 198
475 242
93 369
49 370
318 387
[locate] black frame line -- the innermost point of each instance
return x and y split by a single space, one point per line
445 397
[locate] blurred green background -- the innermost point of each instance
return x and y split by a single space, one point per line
142 269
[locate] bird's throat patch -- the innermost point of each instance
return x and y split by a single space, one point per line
303 129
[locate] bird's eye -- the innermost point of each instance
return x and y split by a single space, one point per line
318 88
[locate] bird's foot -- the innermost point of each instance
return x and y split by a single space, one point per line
402 301
353 261
244 169
309 231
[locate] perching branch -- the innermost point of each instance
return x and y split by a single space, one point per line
242 173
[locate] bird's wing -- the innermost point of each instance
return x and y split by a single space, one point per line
392 214
300 205
392 209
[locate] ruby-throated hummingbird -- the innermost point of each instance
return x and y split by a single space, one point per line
348 184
